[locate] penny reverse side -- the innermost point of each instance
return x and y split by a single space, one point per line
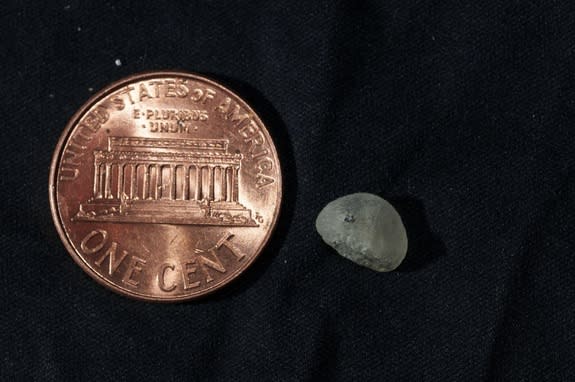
165 186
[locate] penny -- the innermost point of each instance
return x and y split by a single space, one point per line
165 186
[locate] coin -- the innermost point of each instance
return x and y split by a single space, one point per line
165 186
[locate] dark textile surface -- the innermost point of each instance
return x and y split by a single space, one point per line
462 114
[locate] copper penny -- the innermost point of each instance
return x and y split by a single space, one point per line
165 186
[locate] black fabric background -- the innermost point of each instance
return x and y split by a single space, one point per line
460 113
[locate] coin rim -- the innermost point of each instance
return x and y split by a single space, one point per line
55 211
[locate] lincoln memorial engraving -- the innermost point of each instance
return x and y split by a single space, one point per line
173 181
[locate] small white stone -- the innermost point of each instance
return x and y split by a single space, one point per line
365 229
118 62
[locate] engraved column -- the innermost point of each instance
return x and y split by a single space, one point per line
186 190
198 183
121 180
108 181
223 184
133 170
173 169
229 183
235 188
158 182
146 194
97 179
211 170
101 181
